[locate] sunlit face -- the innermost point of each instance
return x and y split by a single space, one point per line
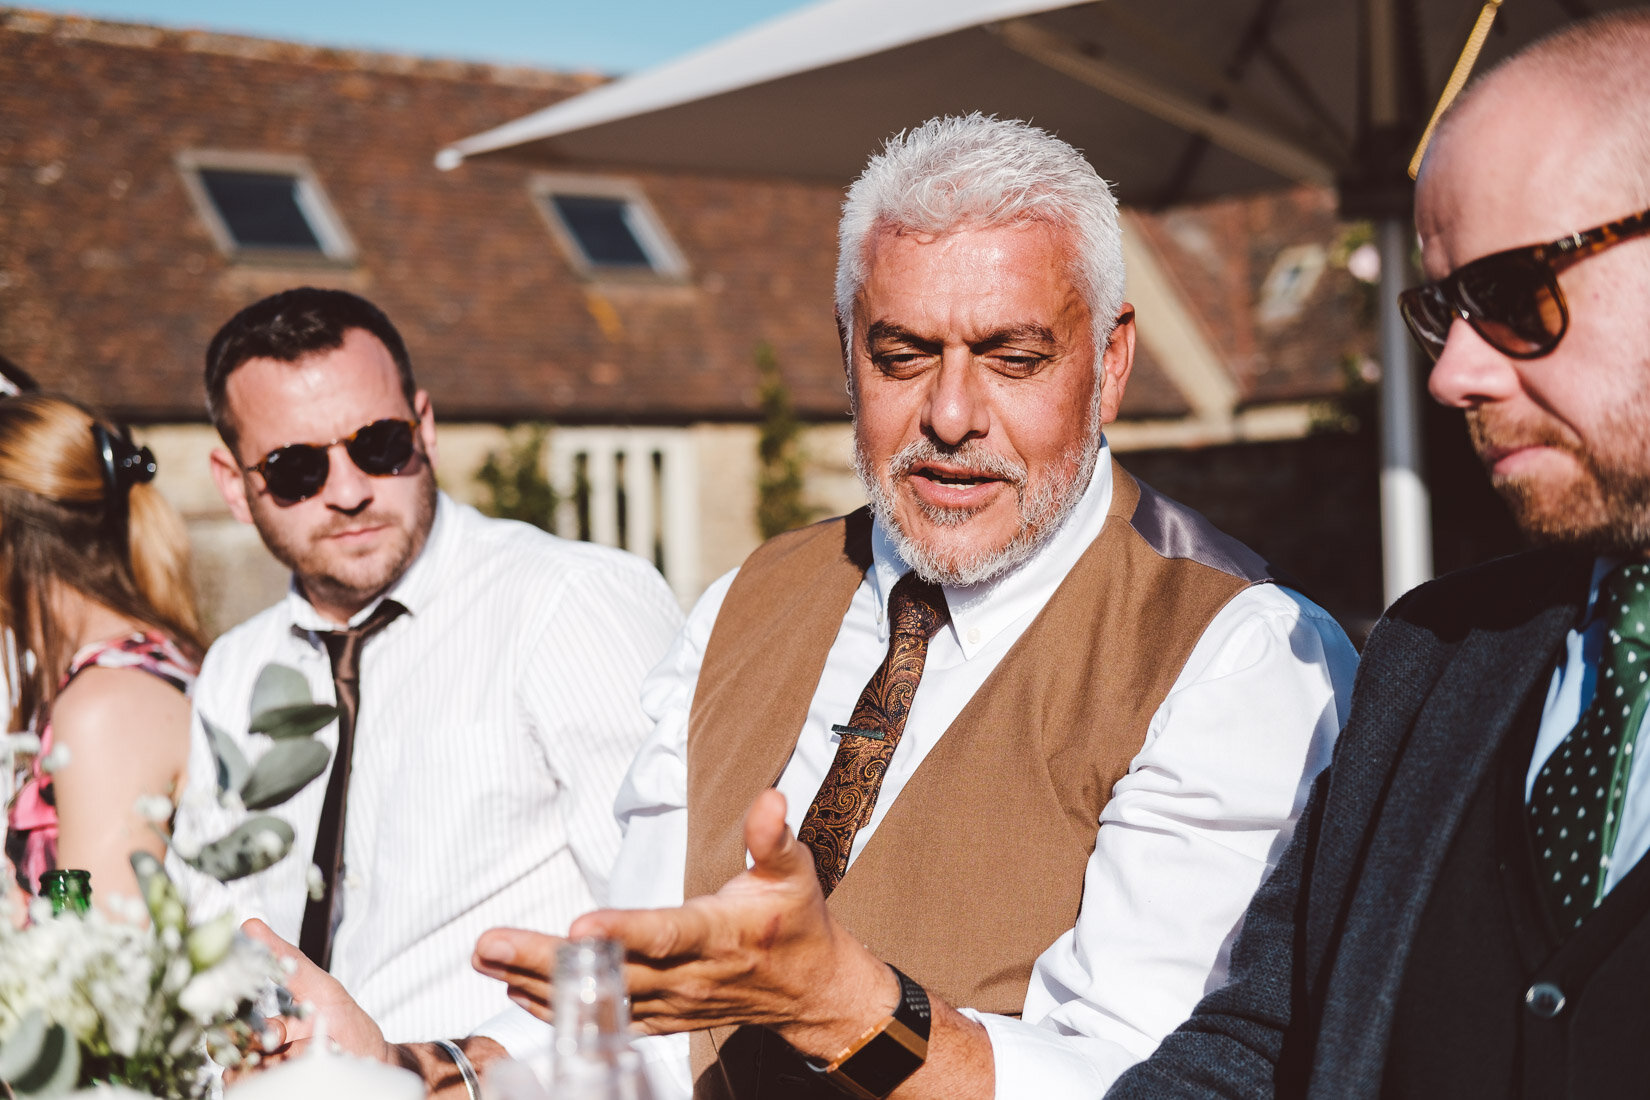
354 538
976 417
1563 437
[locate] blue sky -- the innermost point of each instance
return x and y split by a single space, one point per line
610 36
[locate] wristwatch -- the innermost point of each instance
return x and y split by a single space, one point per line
876 1063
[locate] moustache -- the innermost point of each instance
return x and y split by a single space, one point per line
339 524
1489 434
978 459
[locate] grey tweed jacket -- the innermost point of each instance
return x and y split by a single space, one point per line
1316 971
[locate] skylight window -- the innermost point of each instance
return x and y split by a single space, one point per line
265 207
607 227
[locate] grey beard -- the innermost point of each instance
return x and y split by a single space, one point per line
1041 512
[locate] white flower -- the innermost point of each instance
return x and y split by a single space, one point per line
208 943
315 882
153 807
218 991
267 843
231 801
22 743
56 760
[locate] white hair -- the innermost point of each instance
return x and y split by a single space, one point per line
976 171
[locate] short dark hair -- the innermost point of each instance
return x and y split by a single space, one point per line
288 327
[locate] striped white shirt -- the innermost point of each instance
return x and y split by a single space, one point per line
497 718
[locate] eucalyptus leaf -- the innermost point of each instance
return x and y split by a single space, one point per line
45 1061
166 907
22 1048
283 723
232 766
284 771
279 686
251 847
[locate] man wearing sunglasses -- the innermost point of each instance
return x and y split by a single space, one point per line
490 686
1465 910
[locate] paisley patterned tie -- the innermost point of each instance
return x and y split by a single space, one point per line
1575 806
916 610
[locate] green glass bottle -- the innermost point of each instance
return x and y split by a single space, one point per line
67 890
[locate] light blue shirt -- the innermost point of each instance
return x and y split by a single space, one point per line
1570 693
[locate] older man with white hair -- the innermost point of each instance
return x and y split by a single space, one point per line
1021 738
1034 732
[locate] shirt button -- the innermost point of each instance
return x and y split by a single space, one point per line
1544 999
973 635
352 881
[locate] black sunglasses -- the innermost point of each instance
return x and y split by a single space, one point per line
1512 298
299 470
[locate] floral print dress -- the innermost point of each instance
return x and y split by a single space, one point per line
31 824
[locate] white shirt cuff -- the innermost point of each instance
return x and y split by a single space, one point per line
1034 1063
523 1036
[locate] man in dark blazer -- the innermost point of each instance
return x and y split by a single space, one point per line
1464 910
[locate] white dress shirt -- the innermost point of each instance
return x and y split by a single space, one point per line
496 719
1192 829
1568 697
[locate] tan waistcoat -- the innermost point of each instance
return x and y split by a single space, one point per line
978 866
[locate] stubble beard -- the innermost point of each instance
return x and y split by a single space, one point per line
1604 510
343 580
1041 510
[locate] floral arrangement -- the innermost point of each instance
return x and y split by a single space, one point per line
138 996
86 997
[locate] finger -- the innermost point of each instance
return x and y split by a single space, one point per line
658 934
775 853
533 1005
306 977
258 930
508 954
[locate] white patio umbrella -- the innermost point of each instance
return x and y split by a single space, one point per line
1174 100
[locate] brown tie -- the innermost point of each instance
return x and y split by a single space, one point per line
916 610
344 647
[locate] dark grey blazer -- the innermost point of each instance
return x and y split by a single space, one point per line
1318 966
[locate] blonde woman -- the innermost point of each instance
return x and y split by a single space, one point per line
94 588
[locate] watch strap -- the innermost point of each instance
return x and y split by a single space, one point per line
876 1063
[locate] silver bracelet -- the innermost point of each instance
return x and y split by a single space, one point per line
472 1084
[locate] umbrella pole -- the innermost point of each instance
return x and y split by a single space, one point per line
1406 519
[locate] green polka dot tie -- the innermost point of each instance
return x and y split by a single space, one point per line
1575 807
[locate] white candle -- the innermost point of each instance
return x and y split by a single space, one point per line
321 1076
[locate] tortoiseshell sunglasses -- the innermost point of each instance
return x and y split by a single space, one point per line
1510 298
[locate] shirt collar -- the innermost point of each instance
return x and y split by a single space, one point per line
981 611
1601 567
413 589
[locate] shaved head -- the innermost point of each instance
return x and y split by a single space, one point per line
1600 68
1553 142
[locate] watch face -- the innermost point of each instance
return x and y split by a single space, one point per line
884 1060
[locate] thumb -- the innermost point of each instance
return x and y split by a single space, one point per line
775 853
305 974
257 930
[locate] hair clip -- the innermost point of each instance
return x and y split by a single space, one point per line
124 464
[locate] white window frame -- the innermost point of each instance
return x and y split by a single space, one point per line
337 247
665 261
676 494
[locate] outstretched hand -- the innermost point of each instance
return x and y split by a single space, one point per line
764 949
347 1023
